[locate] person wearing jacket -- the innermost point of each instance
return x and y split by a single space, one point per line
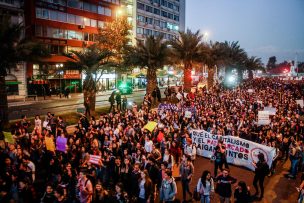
261 170
224 182
205 187
168 188
145 188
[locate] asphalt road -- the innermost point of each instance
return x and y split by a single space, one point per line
278 189
58 105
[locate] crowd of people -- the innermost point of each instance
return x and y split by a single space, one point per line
137 165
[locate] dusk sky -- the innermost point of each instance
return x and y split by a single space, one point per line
263 28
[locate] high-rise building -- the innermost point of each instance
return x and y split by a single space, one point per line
63 26
155 17
12 10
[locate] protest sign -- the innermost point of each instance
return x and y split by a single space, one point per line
179 96
263 118
61 144
49 144
300 102
164 107
239 151
250 90
8 137
272 111
188 114
150 126
94 159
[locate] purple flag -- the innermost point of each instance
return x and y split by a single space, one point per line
61 144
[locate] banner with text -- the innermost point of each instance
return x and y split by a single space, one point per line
239 151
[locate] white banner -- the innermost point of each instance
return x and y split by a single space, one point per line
300 102
239 151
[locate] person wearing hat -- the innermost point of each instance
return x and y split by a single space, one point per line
261 170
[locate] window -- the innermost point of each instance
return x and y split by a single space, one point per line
141 18
156 11
157 22
108 12
164 14
176 8
42 13
140 30
149 20
79 20
141 6
93 8
71 19
86 22
60 2
86 36
101 10
75 4
86 6
93 23
149 9
170 5
164 3
170 15
62 16
176 18
163 24
148 32
53 15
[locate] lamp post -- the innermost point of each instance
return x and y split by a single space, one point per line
60 66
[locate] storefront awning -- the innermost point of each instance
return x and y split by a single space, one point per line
56 59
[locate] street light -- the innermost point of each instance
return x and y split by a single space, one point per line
60 72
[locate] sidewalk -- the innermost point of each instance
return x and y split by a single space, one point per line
41 99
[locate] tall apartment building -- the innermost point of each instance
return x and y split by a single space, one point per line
63 26
16 78
155 17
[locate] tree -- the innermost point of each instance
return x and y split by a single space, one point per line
152 54
188 49
253 63
115 37
93 62
13 50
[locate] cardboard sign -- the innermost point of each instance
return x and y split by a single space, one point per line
8 137
272 111
300 102
150 126
188 114
94 159
263 118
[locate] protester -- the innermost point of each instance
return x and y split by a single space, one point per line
110 151
242 193
261 170
223 187
205 187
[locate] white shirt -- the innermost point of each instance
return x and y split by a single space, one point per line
148 146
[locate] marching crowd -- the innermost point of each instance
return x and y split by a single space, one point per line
135 164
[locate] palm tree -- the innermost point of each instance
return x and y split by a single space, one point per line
93 62
253 63
152 54
188 50
13 50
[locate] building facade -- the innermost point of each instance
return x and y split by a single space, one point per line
16 78
63 26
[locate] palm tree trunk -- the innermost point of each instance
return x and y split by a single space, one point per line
91 94
250 74
187 78
210 79
89 91
3 102
151 80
